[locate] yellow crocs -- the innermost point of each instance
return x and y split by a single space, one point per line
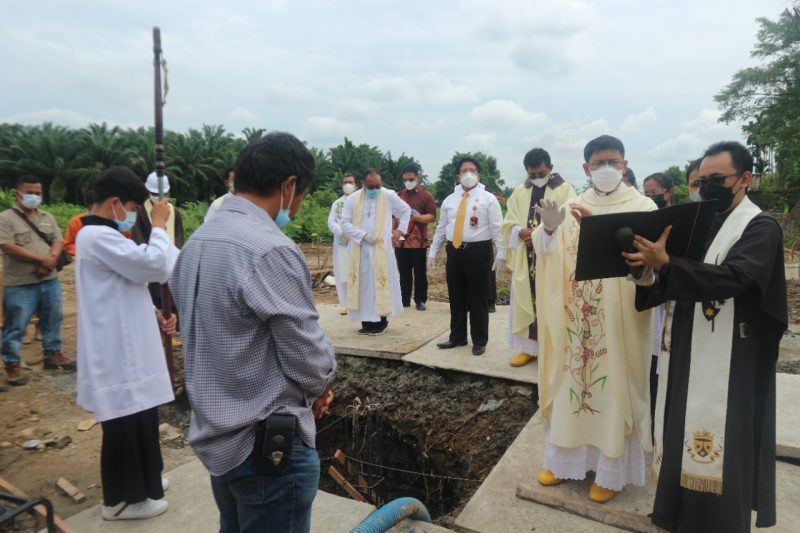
599 494
343 312
547 478
522 359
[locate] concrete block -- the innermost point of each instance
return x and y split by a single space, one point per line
493 363
407 331
788 416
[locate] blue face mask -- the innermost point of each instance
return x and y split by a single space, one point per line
282 219
127 223
373 193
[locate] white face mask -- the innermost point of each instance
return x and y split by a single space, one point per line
540 182
606 179
348 188
694 196
469 180
410 185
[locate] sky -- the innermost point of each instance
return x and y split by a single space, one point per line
424 78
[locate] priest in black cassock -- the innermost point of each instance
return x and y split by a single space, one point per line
714 455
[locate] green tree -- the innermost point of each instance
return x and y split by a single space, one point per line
767 97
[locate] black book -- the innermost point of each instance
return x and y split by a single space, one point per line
600 251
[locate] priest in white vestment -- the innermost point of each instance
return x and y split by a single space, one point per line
594 347
373 283
340 266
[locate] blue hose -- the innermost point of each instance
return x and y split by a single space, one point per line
382 519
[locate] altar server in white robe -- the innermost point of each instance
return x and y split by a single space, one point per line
122 373
340 241
373 283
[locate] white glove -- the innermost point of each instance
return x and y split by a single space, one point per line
551 215
431 262
370 238
499 266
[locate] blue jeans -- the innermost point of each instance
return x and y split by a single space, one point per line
19 304
249 503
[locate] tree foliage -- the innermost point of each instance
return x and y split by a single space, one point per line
767 97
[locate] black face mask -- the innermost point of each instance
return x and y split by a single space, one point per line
659 200
723 195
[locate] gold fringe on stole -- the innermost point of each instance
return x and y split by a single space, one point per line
701 483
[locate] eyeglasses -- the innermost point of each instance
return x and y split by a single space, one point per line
717 180
616 163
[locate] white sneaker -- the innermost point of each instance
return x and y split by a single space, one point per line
135 511
164 484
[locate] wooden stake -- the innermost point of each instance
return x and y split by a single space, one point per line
70 490
340 479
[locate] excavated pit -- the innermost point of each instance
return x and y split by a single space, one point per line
413 431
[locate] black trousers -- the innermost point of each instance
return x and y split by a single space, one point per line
468 270
130 458
411 263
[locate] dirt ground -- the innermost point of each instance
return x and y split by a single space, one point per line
421 420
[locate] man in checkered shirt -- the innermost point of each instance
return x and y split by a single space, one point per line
252 340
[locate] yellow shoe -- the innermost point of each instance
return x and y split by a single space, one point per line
522 359
176 342
599 494
343 312
547 478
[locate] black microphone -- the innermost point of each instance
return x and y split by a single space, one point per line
624 238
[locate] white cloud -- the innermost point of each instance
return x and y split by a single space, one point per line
241 116
479 142
506 113
326 129
429 87
634 123
698 134
60 117
359 108
422 125
550 58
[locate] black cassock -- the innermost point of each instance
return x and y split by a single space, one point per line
753 275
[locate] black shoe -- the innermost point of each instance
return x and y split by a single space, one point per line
492 308
421 306
377 331
450 344
407 305
363 331
478 350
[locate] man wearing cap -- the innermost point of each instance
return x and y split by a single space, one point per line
141 230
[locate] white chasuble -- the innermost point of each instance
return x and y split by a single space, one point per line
594 347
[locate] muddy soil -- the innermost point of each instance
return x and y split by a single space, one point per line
409 428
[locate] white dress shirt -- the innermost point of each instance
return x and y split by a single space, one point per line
481 204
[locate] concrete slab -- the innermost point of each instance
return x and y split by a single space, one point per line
406 332
495 507
629 509
493 363
788 416
790 344
192 508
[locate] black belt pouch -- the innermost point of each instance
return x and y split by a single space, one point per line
273 447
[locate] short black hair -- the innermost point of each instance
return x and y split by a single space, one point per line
119 181
265 163
371 172
88 198
228 172
629 176
662 179
536 157
26 178
604 142
411 167
468 159
740 156
693 166
349 175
